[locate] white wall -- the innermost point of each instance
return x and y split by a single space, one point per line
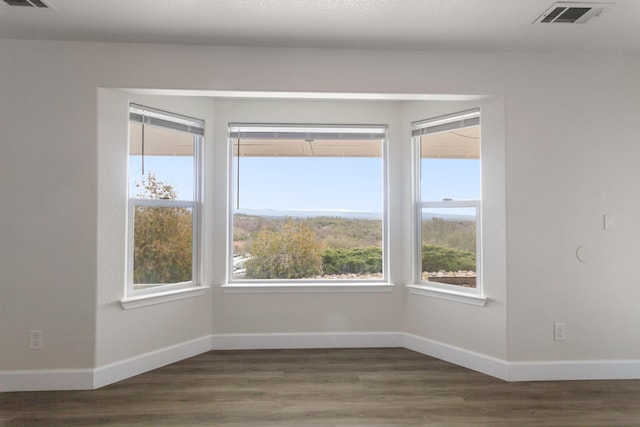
303 312
570 155
123 335
454 323
126 334
48 216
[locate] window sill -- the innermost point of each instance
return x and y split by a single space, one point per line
162 297
450 295
286 288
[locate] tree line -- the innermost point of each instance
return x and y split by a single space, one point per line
285 249
294 251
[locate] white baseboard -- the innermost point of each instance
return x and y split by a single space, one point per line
87 379
128 368
306 340
46 380
575 370
476 361
528 370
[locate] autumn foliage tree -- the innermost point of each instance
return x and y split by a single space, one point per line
162 237
290 252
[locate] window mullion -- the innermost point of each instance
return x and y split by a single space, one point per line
163 203
450 204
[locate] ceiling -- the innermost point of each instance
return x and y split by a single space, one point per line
454 25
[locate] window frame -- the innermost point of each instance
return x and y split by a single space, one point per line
307 285
430 288
178 123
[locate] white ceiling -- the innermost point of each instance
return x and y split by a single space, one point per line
486 25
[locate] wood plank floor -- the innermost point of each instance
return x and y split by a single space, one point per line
326 387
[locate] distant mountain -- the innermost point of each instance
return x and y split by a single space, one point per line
338 213
429 216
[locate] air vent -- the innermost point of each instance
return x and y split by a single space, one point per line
572 13
27 3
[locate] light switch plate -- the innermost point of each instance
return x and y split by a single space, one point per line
609 222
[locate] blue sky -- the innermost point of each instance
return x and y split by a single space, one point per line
457 179
174 170
350 184
305 183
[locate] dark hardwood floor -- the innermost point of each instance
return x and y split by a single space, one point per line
336 387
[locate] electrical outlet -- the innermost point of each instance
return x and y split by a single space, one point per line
559 331
35 339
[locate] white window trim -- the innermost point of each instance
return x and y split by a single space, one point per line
163 296
474 296
308 286
155 294
448 294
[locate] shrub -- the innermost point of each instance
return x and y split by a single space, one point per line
355 260
291 252
162 251
436 258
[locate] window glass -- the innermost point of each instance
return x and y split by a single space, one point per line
449 243
449 200
167 156
163 246
308 203
163 200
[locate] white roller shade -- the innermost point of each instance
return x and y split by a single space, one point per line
163 119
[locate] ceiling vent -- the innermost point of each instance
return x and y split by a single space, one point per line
572 13
27 3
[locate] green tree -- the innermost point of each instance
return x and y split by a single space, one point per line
290 252
162 240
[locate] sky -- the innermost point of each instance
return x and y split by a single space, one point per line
174 170
457 179
305 183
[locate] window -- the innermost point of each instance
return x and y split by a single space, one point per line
307 203
164 200
448 201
